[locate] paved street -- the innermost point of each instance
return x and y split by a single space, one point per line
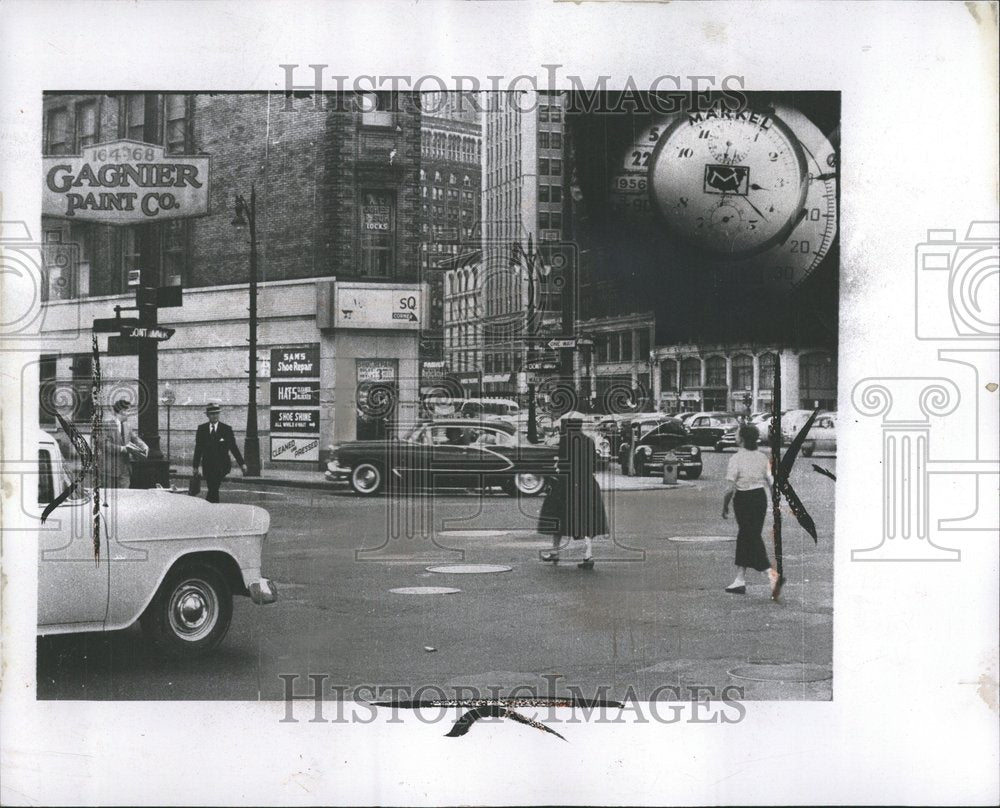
652 613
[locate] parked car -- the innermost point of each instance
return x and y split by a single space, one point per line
665 436
632 424
456 451
167 560
608 434
822 437
708 428
792 422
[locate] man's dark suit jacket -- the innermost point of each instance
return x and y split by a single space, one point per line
211 452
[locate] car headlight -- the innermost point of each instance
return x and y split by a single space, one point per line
695 451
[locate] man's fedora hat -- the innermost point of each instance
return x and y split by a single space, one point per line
212 409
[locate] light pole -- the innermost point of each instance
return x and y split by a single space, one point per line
516 253
168 398
251 446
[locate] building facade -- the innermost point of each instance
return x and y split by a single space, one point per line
335 180
524 174
450 198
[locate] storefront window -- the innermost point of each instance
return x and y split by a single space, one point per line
57 131
86 124
766 365
668 375
690 373
742 373
715 371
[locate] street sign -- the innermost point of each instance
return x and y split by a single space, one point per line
562 342
113 325
543 366
152 332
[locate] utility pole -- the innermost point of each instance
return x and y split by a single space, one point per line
251 445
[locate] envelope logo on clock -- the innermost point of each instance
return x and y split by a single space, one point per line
721 179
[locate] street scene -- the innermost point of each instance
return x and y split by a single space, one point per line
519 392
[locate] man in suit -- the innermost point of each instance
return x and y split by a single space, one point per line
121 444
213 444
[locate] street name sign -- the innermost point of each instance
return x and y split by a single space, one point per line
152 332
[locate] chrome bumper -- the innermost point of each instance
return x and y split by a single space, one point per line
263 591
335 471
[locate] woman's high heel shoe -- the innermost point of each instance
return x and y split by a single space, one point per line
551 555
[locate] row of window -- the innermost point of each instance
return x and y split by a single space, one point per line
452 193
162 118
455 148
622 346
452 178
550 140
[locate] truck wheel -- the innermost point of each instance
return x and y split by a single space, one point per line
190 613
366 479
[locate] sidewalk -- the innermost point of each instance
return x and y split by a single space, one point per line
609 480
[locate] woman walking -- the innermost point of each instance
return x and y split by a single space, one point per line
574 506
750 479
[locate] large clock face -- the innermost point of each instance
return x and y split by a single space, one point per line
753 192
730 186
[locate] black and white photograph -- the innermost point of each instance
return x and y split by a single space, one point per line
401 419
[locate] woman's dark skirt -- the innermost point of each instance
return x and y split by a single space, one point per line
573 508
750 508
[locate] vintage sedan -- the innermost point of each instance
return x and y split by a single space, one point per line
708 428
168 561
467 453
822 436
653 445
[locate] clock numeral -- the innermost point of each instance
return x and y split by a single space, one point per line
773 156
800 246
682 202
704 134
685 152
654 134
753 224
813 215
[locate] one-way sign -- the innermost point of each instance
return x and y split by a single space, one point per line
147 332
562 342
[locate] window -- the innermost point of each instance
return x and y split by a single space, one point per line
742 373
135 116
452 179
543 140
556 140
626 338
555 193
173 252
555 220
175 123
715 371
817 377
543 193
376 109
601 347
82 370
86 124
129 255
543 220
57 131
643 344
668 375
614 347
543 114
467 181
766 365
556 166
690 373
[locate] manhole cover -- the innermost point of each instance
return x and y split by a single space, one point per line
472 534
786 672
469 569
425 590
701 538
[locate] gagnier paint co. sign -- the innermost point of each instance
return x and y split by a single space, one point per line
125 182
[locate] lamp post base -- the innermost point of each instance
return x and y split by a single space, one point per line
251 456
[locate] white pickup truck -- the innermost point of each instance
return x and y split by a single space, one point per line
170 561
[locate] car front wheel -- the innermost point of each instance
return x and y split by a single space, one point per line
692 474
719 447
191 612
366 479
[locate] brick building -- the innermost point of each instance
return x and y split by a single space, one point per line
337 212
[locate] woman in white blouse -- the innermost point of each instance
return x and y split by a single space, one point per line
749 477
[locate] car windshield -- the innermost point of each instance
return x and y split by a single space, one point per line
727 420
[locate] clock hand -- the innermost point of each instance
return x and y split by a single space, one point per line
828 176
752 205
756 187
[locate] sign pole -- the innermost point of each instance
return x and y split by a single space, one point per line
775 461
154 469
